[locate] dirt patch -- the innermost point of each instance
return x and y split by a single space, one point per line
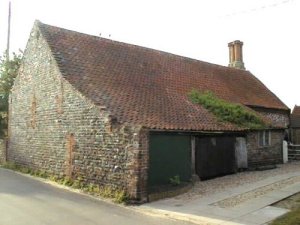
291 203
168 191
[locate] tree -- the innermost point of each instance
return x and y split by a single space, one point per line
8 72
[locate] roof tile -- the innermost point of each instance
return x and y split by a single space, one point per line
295 117
149 87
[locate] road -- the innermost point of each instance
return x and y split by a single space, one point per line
24 201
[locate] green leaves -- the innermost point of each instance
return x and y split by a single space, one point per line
8 72
226 111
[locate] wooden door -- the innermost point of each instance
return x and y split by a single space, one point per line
215 156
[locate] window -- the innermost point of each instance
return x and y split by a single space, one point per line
264 138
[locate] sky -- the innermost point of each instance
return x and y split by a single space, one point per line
199 29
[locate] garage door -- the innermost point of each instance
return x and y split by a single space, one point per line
170 155
215 156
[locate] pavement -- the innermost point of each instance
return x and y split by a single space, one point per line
27 200
248 204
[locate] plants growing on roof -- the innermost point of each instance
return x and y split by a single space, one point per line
227 111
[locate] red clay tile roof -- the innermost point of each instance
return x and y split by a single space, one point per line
295 117
296 110
148 87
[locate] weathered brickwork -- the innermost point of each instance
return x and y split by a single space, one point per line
139 166
2 151
56 129
279 118
258 155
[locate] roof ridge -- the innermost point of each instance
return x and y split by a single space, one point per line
40 24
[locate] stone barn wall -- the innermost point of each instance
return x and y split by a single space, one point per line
54 128
2 151
264 155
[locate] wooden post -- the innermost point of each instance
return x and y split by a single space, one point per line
193 155
8 31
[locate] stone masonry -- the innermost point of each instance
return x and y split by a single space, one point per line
54 128
2 151
266 155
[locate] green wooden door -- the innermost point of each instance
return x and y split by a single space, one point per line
170 155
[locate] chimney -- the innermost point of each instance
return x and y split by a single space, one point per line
236 55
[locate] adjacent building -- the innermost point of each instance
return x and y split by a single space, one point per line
295 125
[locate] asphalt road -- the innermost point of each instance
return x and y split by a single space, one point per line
27 201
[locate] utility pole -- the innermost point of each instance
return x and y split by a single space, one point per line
8 31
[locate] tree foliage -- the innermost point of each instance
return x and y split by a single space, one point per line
8 72
226 111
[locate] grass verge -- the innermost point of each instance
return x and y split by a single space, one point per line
118 196
291 218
